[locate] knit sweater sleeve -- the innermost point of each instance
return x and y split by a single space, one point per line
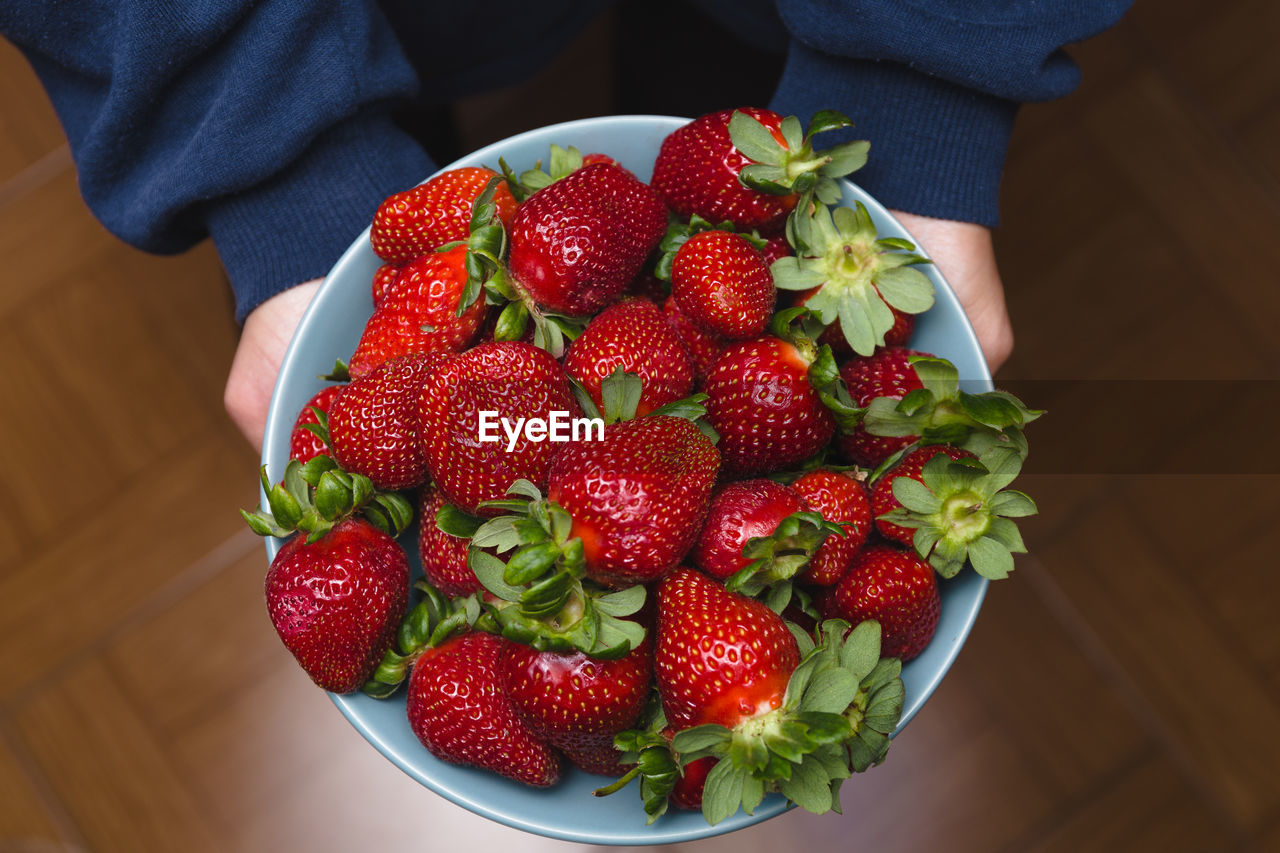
261 124
935 86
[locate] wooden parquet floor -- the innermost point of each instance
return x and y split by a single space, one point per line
1121 692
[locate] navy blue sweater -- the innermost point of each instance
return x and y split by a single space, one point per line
266 123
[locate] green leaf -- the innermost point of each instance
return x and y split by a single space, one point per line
623 602
846 158
722 793
754 140
833 694
700 738
1012 503
906 289
808 788
333 497
790 274
824 120
498 533
990 559
856 323
938 375
455 522
620 394
915 495
1007 534
861 649
488 570
526 488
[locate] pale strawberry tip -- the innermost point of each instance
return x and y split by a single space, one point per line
842 704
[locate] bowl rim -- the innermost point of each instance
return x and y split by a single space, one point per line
280 421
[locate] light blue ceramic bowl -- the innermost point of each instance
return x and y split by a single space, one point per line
331 329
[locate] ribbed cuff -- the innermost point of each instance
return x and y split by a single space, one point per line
937 149
293 227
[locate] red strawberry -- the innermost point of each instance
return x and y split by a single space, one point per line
723 285
412 223
512 379
579 703
597 157
697 173
882 499
638 497
418 312
460 713
337 602
761 402
885 374
373 424
740 512
703 347
632 335
738 165
687 793
897 589
649 286
776 247
842 499
305 445
720 657
578 242
383 278
444 557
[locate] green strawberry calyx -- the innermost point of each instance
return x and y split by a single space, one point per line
780 556
647 750
841 706
434 619
560 163
962 512
620 394
855 274
543 598
942 413
314 497
795 167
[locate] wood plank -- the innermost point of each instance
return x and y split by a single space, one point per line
153 658
47 238
25 821
1150 808
1043 692
1211 709
1197 187
29 129
103 762
107 564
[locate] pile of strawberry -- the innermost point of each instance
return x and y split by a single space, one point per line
715 589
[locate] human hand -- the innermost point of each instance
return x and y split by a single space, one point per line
963 253
266 335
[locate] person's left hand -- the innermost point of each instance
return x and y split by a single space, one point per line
266 335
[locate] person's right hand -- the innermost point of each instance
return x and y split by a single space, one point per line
266 335
962 251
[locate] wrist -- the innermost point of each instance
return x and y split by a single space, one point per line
937 149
